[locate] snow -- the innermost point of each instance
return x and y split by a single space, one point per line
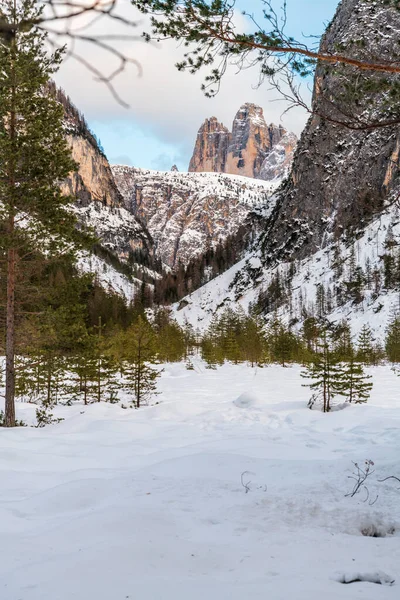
186 213
108 277
113 504
375 310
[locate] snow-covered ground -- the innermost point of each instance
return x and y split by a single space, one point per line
115 504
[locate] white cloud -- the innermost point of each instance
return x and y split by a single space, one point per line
165 103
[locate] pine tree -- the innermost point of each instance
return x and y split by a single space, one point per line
320 300
172 343
325 373
354 384
356 279
283 343
343 346
252 341
311 332
34 157
365 346
392 342
136 351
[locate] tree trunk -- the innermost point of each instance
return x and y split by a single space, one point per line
139 378
9 417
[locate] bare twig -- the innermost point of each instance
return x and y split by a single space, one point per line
61 21
244 484
360 476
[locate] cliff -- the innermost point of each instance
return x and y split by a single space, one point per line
99 203
187 213
344 170
248 150
211 148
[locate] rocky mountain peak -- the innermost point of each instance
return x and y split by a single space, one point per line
211 147
245 150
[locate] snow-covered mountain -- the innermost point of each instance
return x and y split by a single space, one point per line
356 280
187 213
124 243
331 245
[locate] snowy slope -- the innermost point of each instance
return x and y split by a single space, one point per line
119 232
117 229
186 213
116 504
244 281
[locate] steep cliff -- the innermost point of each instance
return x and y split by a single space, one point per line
248 150
94 181
99 203
211 147
186 213
342 175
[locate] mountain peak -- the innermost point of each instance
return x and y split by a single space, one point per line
246 149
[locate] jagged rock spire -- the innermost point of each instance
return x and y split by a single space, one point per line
245 150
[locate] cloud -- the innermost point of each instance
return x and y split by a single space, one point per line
165 103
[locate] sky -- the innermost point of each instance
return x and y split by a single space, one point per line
167 107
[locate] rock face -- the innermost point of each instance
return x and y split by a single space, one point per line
187 213
248 150
279 160
211 148
99 203
341 176
94 181
252 139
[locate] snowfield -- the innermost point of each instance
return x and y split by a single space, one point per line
116 504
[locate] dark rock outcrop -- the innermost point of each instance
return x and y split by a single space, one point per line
342 176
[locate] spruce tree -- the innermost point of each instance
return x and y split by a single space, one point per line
136 350
325 373
354 383
283 343
34 157
252 341
392 342
366 346
343 345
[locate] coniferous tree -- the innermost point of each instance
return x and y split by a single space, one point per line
171 339
392 342
136 351
283 343
343 346
34 157
366 346
354 383
325 373
311 332
252 341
